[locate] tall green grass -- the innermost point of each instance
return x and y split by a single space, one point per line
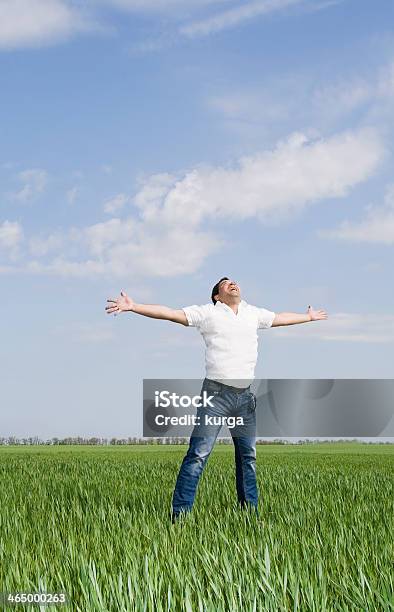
95 523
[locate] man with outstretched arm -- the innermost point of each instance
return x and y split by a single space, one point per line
229 328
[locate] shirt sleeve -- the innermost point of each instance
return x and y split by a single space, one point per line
265 318
196 315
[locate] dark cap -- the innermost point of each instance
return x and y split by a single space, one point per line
215 290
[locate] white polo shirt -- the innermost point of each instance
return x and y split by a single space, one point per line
230 339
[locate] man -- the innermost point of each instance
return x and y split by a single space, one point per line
229 328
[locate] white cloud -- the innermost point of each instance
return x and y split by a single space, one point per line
195 17
234 16
163 6
343 96
377 227
103 236
249 106
71 195
151 250
385 81
257 112
29 23
40 246
116 203
272 184
163 251
34 182
11 237
168 237
62 267
120 248
11 234
34 23
11 270
344 327
152 193
347 95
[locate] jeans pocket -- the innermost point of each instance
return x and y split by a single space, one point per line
253 402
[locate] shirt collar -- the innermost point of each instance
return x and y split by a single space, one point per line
224 306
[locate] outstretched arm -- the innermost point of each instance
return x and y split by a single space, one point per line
292 318
125 304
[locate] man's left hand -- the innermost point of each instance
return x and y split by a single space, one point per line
316 315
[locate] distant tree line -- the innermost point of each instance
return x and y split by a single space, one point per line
95 441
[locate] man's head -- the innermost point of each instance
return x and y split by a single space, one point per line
227 291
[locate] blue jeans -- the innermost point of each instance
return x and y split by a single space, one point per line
226 403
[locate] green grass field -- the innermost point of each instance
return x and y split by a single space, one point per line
94 521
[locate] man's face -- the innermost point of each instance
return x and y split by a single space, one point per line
229 289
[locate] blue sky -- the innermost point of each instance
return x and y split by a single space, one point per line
155 146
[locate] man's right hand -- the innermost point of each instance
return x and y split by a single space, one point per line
156 311
123 304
